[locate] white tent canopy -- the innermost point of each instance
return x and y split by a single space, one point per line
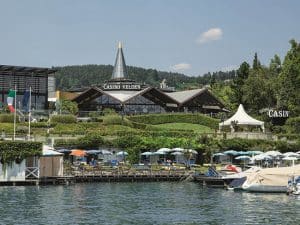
241 118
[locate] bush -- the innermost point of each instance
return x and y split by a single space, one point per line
7 118
63 119
12 150
108 111
176 118
69 106
87 142
294 124
116 120
284 146
289 136
278 129
7 127
240 144
139 125
40 125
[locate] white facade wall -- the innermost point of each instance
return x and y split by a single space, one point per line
13 171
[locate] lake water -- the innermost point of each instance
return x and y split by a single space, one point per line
143 203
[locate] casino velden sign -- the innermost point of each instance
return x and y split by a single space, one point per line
121 86
278 113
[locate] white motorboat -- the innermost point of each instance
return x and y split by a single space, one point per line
270 179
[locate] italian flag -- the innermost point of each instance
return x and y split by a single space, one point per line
10 100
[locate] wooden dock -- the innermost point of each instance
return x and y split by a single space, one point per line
66 180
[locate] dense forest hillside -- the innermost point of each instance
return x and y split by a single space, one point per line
69 77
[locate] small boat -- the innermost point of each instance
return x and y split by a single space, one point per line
236 184
294 185
270 179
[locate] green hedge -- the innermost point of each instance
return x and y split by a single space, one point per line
63 119
176 118
89 141
115 119
240 144
12 150
7 118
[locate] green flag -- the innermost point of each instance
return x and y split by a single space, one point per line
11 93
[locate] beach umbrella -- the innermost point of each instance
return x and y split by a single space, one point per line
191 151
255 152
159 153
290 158
165 150
291 154
231 152
178 149
262 157
243 157
105 152
273 153
147 153
219 154
78 153
242 153
176 153
93 152
122 153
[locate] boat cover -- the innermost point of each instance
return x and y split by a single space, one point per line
272 176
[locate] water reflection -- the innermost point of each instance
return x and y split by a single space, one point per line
143 203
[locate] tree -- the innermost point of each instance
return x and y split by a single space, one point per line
238 82
213 80
256 63
256 93
69 106
289 80
275 65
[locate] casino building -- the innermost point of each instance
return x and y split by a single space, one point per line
125 95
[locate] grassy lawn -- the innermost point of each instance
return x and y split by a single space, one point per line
185 126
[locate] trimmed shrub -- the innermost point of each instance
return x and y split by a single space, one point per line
176 118
116 120
87 142
63 119
139 125
7 118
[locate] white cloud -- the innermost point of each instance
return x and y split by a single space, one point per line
181 67
212 34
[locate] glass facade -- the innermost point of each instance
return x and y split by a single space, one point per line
138 104
23 78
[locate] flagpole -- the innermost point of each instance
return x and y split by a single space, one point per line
29 113
15 113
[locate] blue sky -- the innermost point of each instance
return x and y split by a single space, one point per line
187 36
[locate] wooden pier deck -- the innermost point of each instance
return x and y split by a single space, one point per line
95 178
